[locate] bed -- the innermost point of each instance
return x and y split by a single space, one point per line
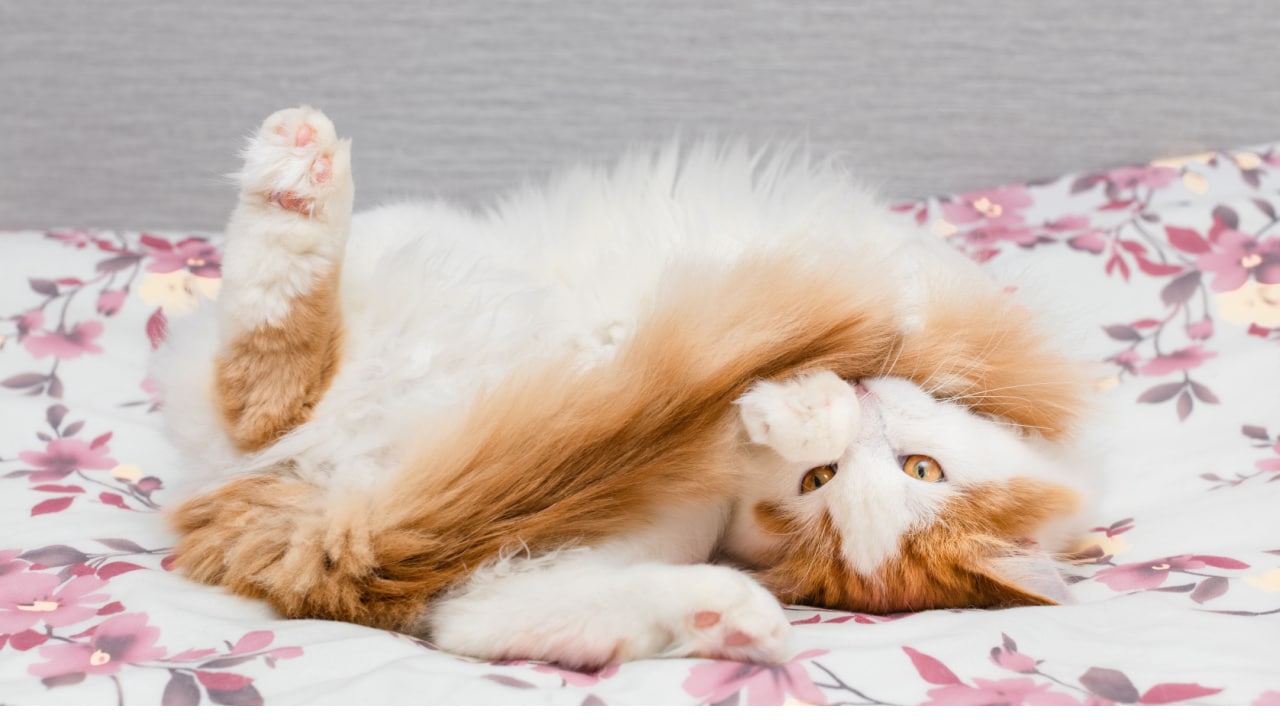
1171 272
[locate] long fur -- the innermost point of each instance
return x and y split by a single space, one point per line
552 455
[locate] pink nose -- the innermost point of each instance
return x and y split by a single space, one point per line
860 390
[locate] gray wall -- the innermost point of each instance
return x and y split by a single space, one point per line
127 114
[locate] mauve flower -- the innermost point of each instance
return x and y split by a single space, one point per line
1009 691
66 345
1092 241
999 205
1127 359
193 254
29 321
1145 576
1234 257
1270 697
63 456
28 598
1201 330
124 639
1148 176
764 684
110 301
1013 660
1185 359
1271 463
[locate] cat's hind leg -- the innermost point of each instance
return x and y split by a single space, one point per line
279 324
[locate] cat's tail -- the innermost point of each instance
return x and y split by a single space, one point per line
555 456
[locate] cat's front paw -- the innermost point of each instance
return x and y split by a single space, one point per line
811 418
725 614
297 163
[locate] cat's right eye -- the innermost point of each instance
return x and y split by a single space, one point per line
816 478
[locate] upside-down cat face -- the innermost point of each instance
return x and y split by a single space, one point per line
927 504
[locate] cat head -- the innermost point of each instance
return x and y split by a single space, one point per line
932 505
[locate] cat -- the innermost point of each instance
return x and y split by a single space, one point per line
618 417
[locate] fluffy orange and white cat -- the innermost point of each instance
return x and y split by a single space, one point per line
618 417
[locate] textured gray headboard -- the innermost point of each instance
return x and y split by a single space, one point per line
127 114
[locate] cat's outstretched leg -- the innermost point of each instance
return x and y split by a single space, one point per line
279 322
811 418
585 608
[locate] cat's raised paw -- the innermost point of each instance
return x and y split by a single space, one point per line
811 418
297 163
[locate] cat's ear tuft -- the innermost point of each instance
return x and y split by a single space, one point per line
1021 574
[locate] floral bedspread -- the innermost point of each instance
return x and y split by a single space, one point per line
1168 273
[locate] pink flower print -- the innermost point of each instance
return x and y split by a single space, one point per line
110 301
764 684
1009 691
578 679
29 321
999 206
1128 359
1202 330
1185 359
1270 697
29 598
63 456
1235 256
1092 241
1003 232
1147 176
1148 575
193 254
66 345
1013 660
124 639
1272 463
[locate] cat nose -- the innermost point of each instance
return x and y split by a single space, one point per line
860 390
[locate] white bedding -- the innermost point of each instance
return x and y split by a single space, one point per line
1172 269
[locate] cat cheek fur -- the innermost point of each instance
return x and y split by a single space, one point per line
974 554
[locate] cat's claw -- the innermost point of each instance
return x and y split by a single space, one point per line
812 418
296 162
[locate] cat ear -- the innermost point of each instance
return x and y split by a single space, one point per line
1025 576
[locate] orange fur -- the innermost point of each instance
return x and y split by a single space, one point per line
950 563
987 352
554 457
272 376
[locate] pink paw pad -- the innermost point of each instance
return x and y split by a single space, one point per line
705 619
322 169
304 136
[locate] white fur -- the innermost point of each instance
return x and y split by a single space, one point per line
440 302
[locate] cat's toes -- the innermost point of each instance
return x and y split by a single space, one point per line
812 418
734 619
297 163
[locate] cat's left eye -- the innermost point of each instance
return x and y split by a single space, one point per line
816 478
923 467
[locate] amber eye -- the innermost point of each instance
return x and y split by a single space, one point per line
923 467
816 478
